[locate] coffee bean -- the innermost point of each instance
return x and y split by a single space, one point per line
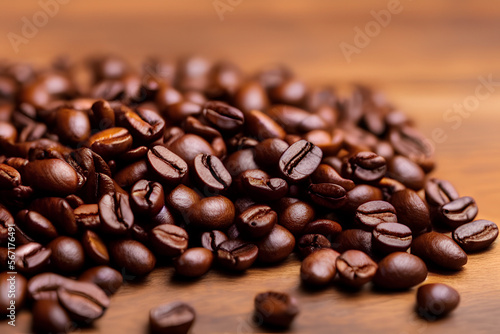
95 248
50 317
182 198
411 210
361 194
371 214
13 289
132 256
195 126
439 192
59 178
189 146
72 126
318 268
269 151
391 237
32 258
257 221
9 177
216 212
439 249
211 240
365 167
329 195
147 198
236 255
295 215
296 120
353 239
44 286
166 165
326 227
223 116
436 300
411 143
87 216
194 262
258 185
458 212
102 115
407 172
327 174
131 174
240 161
108 279
111 142
276 246
388 187
251 96
83 301
263 127
275 308
115 214
211 173
58 211
476 236
300 160
169 240
144 125
399 271
355 268
36 225
74 201
175 318
67 256
310 243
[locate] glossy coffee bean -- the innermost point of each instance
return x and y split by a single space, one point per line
370 214
263 127
326 227
194 262
476 235
439 249
13 289
411 143
327 174
216 212
59 177
257 221
411 210
144 125
106 278
365 167
175 318
458 212
182 198
329 195
95 248
50 317
399 271
132 256
361 194
300 160
295 215
269 151
391 237
115 214
111 142
87 216
147 198
37 225
353 239
223 116
212 239
310 243
259 186
189 146
67 256
276 246
169 240
9 177
236 255
436 300
83 301
211 174
58 211
295 120
275 308
44 286
132 173
440 192
32 258
318 268
72 126
240 161
407 172
167 166
251 96
355 268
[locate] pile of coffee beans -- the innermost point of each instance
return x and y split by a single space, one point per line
107 169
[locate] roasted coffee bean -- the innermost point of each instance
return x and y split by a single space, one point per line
295 214
458 212
87 216
59 178
439 249
318 268
132 256
72 126
175 318
50 317
353 239
115 214
476 236
111 142
355 268
83 301
165 216
44 286
361 194
95 248
327 174
240 161
239 142
32 258
251 96
257 221
74 201
407 172
223 116
276 246
216 212
391 237
102 115
13 291
194 262
195 126
36 225
275 308
310 243
370 214
329 195
182 198
326 227
436 300
144 124
411 143
9 177
263 127
411 210
236 255
58 211
439 192
329 142
300 160
147 198
291 92
211 173
295 120
108 279
399 271
189 146
365 167
269 151
67 256
211 240
131 174
260 186
388 187
134 154
169 240
167 166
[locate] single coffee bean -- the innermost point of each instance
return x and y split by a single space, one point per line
32 258
355 268
275 308
295 215
115 214
476 236
223 116
411 210
326 227
399 271
327 174
175 318
211 240
67 256
260 186
144 125
111 142
310 243
44 286
439 249
388 187
365 167
440 192
436 300
257 221
50 317
329 195
167 166
211 173
194 262
182 198
195 126
263 127
9 177
83 301
412 144
276 246
391 237
458 212
132 256
318 268
102 114
36 225
59 177
251 96
407 172
189 146
300 160
58 211
95 248
87 216
295 120
269 151
108 279
129 175
216 212
169 240
371 214
147 198
72 126
240 161
360 194
74 201
236 255
353 239
13 291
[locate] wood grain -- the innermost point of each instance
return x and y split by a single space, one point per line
427 59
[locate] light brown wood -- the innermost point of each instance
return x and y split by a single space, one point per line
427 59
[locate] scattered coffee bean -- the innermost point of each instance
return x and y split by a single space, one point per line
257 221
175 318
236 255
211 240
67 255
108 279
132 256
399 271
371 214
439 249
275 309
355 268
194 262
391 237
300 160
310 243
458 212
169 240
476 236
50 317
83 301
318 268
436 300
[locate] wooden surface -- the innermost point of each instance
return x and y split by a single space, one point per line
427 59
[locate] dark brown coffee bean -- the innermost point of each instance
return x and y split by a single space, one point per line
310 243
439 249
300 160
108 279
175 318
294 215
165 216
295 120
407 172
318 269
211 173
412 144
37 225
436 300
50 317
102 115
361 194
211 240
44 286
391 237
399 271
115 214
32 258
72 126
189 146
370 214
355 268
182 198
439 192
95 248
13 291
166 165
169 240
365 167
353 239
223 116
275 309
476 236
87 216
411 210
329 195
144 125
59 177
262 127
326 227
327 174
9 177
269 151
258 185
388 187
111 142
74 201
458 212
251 96
291 92
132 256
67 256
194 262
83 301
147 198
240 161
216 212
276 246
195 126
236 255
131 174
58 211
257 221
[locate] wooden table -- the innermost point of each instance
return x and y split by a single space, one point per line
428 58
